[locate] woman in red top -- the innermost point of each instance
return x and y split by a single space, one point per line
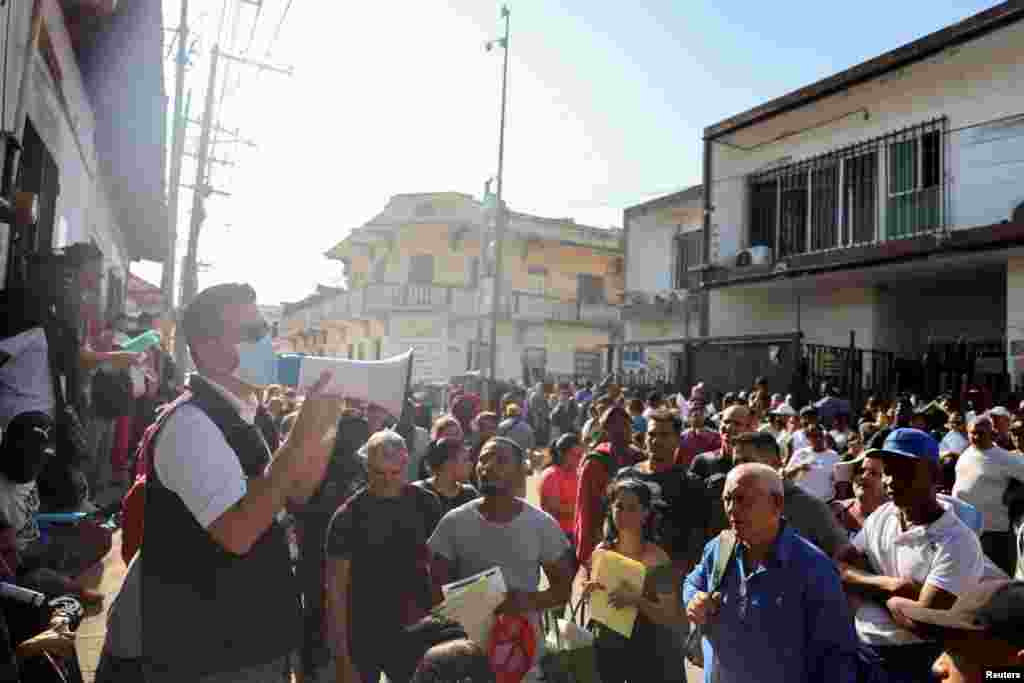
559 480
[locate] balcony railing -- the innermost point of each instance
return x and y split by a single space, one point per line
378 298
537 307
381 297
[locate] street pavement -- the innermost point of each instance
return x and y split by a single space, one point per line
108 576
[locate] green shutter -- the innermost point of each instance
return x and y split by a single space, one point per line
902 216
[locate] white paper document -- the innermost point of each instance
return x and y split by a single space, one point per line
472 601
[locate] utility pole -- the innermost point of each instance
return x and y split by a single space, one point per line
189 278
177 148
201 189
478 356
501 215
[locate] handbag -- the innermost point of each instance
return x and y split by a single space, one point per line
694 648
570 655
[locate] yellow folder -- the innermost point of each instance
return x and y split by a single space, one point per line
613 570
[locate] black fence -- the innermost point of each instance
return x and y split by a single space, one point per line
858 373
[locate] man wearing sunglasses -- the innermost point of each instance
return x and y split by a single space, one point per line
217 569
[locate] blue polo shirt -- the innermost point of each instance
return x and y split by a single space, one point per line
787 621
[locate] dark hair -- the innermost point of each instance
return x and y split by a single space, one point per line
654 397
203 318
809 411
878 440
763 442
507 443
561 445
415 642
644 495
441 451
454 661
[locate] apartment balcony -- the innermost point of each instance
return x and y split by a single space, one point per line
389 297
531 307
379 299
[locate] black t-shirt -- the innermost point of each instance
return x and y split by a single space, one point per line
713 462
684 522
386 541
466 494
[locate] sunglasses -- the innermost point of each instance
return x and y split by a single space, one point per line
255 331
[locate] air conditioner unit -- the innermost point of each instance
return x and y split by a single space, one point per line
759 255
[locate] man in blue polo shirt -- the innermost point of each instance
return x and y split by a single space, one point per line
779 613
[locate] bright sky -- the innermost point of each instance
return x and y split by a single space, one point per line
607 102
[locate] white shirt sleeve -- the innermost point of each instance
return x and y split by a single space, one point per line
958 565
442 541
193 459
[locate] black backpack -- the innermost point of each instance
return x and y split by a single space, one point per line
112 393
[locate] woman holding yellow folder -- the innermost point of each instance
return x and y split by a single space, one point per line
650 654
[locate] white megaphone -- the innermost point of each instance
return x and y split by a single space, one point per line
383 382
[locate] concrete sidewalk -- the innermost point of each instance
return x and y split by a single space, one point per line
106 577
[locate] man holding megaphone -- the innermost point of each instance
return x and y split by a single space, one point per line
216 568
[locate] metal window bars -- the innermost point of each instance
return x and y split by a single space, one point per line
836 200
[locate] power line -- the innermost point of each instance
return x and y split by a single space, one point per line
277 31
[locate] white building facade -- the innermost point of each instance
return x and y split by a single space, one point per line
866 230
880 209
84 100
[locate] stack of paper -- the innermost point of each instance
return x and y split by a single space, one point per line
614 571
472 602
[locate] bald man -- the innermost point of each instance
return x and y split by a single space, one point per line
779 600
377 566
735 420
810 516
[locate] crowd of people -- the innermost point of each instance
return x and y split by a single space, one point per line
74 400
803 543
270 534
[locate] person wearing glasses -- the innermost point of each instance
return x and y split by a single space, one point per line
214 546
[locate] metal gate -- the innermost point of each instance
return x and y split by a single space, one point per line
734 365
857 373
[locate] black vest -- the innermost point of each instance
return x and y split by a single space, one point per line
206 610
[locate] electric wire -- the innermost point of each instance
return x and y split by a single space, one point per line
277 31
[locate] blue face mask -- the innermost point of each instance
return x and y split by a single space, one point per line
257 365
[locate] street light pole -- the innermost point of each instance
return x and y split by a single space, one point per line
177 150
501 215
